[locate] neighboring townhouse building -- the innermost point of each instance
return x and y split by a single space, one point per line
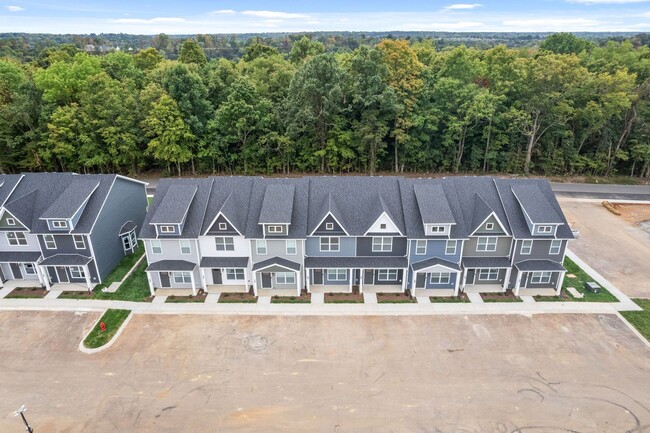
541 233
171 233
80 226
356 235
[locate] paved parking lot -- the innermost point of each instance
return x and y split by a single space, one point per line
549 373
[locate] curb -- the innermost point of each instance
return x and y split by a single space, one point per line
634 330
110 342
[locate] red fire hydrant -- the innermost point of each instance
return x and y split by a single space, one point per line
102 326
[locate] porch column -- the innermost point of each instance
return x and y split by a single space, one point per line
404 278
193 282
298 281
308 279
518 282
203 283
150 281
464 278
560 280
46 277
254 283
351 275
458 275
506 280
38 274
361 274
87 275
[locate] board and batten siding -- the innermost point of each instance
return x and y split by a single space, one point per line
126 201
347 247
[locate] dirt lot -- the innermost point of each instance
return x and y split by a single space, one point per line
338 374
613 245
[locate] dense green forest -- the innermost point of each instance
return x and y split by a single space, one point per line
566 105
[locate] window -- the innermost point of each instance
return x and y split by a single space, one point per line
526 247
486 244
540 278
79 242
489 226
185 247
129 241
382 244
329 226
556 246
260 247
437 229
29 269
285 278
440 278
77 272
224 244
59 224
420 247
274 229
167 229
182 277
450 247
292 248
488 274
11 222
223 226
234 274
387 275
545 229
17 238
329 244
156 247
382 226
50 243
337 274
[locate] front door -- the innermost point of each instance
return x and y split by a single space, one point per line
62 274
266 280
164 280
318 276
216 276
15 269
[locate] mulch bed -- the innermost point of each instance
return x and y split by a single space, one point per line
81 294
395 298
344 298
507 296
27 292
564 296
461 298
304 298
174 299
233 298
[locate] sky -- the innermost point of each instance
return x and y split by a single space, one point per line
202 16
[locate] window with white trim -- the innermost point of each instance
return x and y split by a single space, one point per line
129 241
387 274
182 277
420 247
260 247
486 244
234 274
16 238
223 226
167 229
59 224
29 269
489 226
185 246
79 242
545 229
450 247
329 226
49 241
11 222
274 229
526 247
337 274
156 247
437 230
224 243
382 226
440 278
382 244
540 277
330 244
292 247
285 278
77 272
556 246
491 274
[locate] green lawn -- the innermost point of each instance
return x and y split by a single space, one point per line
579 283
640 319
113 320
135 288
123 267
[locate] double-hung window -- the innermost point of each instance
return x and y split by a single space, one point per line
420 247
526 247
234 274
337 274
285 278
491 274
545 229
260 247
330 244
185 246
440 278
274 229
450 247
182 277
79 242
486 244
16 238
387 275
59 224
29 269
292 248
540 278
49 241
556 246
156 247
224 244
77 272
382 244
437 230
167 229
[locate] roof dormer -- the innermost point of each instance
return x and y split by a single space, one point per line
540 216
66 210
277 209
436 214
171 213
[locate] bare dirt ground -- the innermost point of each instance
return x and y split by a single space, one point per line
615 246
505 374
637 214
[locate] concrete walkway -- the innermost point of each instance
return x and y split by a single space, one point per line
369 298
527 299
475 298
5 291
159 299
423 300
265 300
318 298
212 298
575 293
53 294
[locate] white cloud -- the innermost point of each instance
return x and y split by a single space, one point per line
223 12
462 6
149 21
606 2
274 14
14 8
445 26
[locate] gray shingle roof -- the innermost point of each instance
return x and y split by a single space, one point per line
67 204
356 262
277 261
7 184
174 205
171 266
23 207
477 197
19 256
298 226
230 196
535 204
127 227
486 262
539 265
224 262
277 205
433 262
433 204
329 206
66 260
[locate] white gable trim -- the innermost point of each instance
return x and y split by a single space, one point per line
434 268
13 189
498 221
388 230
324 218
278 265
2 213
132 180
215 220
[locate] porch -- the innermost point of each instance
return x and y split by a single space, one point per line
172 274
225 274
67 272
435 277
226 288
277 276
485 274
21 267
538 277
368 274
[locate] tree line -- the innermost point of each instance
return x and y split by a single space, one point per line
565 107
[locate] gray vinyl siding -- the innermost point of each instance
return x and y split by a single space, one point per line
525 281
171 250
32 243
155 277
425 278
127 201
496 229
54 276
75 217
364 247
502 250
6 227
215 230
347 247
9 274
435 248
336 231
278 248
65 245
327 282
539 251
475 272
373 273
